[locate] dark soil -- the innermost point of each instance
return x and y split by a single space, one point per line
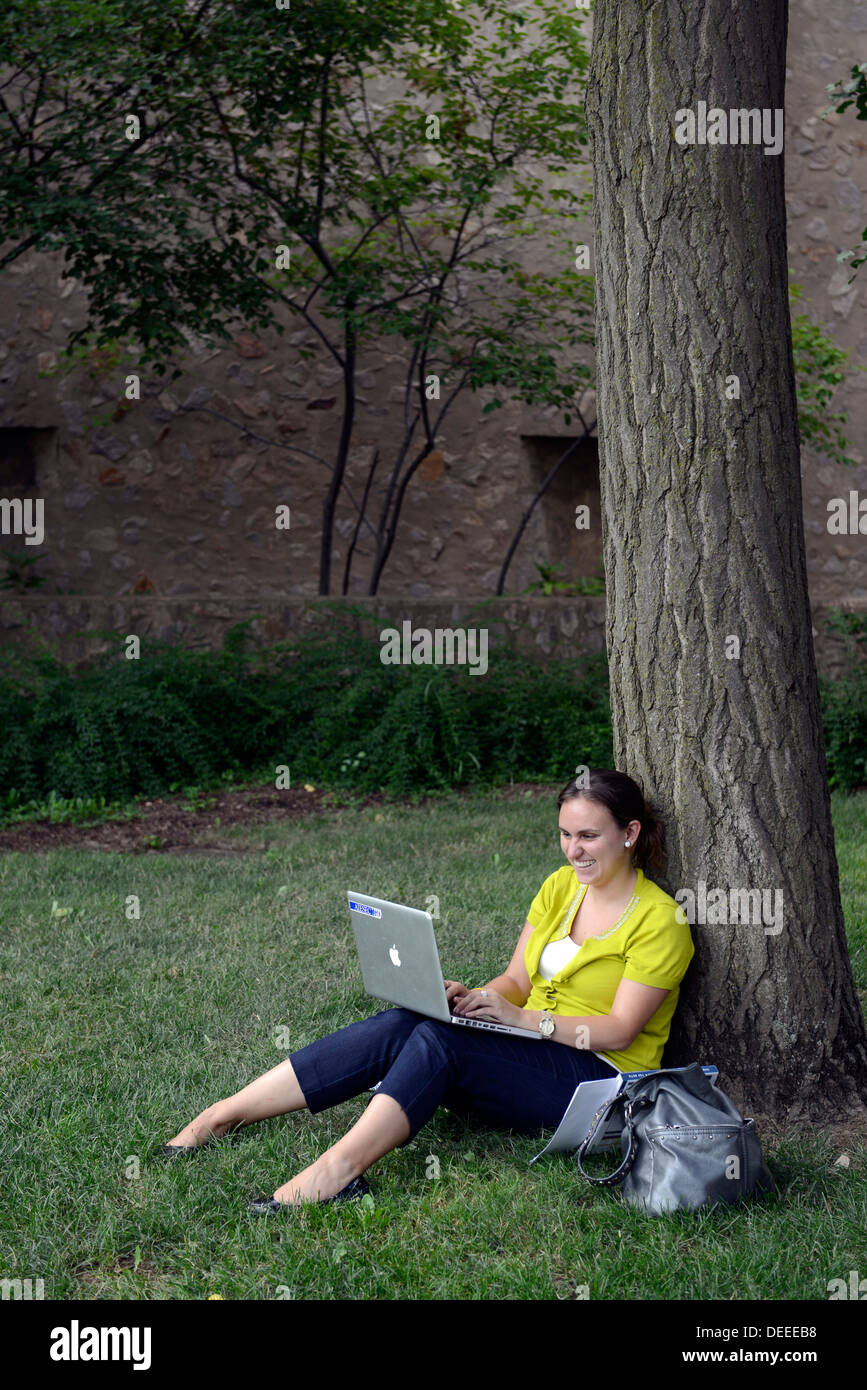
174 825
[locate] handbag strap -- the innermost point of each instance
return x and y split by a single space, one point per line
629 1108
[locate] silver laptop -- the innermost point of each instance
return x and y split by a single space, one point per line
400 963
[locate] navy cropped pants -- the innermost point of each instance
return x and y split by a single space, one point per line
422 1064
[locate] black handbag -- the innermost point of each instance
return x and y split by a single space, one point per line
685 1145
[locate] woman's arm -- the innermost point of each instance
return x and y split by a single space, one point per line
632 1008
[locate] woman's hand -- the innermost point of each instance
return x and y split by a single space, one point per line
454 991
489 1005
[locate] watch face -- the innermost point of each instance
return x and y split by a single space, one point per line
546 1027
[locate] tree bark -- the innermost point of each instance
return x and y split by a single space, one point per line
703 543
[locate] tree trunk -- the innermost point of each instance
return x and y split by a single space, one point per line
704 547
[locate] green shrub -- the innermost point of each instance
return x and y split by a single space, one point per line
75 741
119 729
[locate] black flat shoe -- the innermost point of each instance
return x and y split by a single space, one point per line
268 1206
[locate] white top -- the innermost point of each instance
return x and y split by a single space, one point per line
556 956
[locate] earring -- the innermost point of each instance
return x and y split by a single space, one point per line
626 846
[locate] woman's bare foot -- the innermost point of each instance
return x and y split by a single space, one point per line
213 1123
324 1178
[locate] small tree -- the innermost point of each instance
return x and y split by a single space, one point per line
370 221
133 133
405 221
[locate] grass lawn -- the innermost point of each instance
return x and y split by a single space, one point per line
118 1030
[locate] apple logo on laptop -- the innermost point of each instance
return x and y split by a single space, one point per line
395 955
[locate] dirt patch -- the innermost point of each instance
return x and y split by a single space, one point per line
177 825
95 1272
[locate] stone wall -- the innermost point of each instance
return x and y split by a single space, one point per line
826 181
555 627
159 514
74 629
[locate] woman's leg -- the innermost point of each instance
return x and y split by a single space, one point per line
275 1093
516 1085
335 1068
383 1126
421 1063
508 1082
412 1087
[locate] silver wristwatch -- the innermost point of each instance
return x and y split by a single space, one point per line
546 1024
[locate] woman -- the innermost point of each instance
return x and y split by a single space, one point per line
596 973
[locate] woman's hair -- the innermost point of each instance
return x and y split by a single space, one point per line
625 800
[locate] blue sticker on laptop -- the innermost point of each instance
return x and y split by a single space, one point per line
362 907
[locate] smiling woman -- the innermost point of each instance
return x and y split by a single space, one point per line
596 968
602 952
